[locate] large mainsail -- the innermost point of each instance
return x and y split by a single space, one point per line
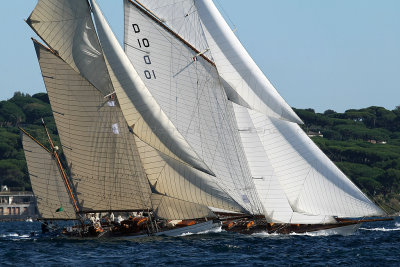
189 91
52 199
244 81
100 151
295 181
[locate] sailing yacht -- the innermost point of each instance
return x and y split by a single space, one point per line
181 122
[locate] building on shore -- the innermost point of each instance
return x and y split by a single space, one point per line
16 205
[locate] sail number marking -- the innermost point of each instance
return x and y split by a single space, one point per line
144 42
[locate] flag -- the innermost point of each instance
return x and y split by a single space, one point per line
59 209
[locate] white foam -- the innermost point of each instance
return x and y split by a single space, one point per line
381 229
266 234
10 235
214 230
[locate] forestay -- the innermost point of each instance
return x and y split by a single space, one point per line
52 199
233 62
101 152
188 89
67 27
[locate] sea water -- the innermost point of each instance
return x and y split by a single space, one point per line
375 244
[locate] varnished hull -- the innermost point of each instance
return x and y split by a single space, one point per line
248 226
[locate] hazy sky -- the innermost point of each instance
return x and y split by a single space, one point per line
323 54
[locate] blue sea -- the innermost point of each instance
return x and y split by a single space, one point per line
375 244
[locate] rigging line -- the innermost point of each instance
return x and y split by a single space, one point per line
141 50
142 9
31 137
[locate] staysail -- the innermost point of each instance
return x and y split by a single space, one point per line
311 181
101 152
52 199
189 91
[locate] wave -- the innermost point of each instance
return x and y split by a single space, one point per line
15 235
266 234
211 231
382 229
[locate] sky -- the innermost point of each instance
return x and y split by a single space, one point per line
318 54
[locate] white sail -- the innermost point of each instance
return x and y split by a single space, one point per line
311 182
140 109
101 152
234 64
67 27
52 199
189 91
276 206
182 17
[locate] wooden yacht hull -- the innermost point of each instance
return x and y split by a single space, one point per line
197 228
341 227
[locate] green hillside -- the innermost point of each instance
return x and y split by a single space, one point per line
364 143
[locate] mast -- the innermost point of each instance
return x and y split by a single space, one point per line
54 152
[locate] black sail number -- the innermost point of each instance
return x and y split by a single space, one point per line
144 42
150 74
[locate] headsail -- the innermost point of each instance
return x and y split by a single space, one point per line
52 199
311 182
188 89
101 152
